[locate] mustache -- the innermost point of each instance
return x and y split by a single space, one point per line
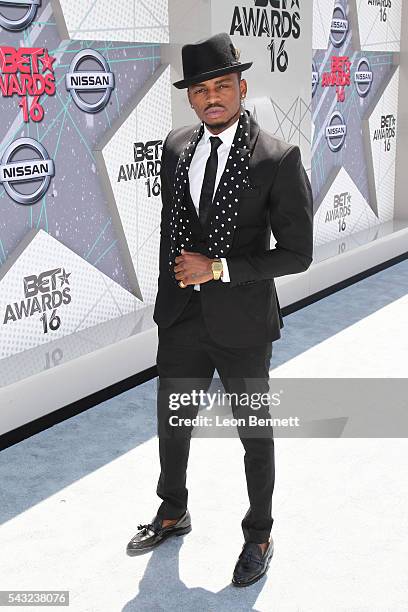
214 106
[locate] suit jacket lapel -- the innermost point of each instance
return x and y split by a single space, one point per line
183 165
182 168
245 158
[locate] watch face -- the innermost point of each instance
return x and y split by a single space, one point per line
217 266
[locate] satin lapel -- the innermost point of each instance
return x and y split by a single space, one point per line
182 168
245 152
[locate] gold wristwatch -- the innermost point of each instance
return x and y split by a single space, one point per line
216 268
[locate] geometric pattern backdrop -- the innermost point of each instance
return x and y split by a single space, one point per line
379 25
63 294
86 105
136 186
76 208
124 21
291 124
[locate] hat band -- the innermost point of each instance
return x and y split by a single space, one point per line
213 69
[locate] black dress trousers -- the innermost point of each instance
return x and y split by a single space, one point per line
186 360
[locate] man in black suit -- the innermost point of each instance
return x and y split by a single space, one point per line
226 184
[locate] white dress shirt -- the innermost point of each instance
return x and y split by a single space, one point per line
197 170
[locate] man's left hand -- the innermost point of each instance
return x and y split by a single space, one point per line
193 268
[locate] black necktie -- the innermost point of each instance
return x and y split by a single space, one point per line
207 189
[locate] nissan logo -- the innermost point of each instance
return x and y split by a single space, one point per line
363 77
336 131
15 25
339 26
28 170
90 81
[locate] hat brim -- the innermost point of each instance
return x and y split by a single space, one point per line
205 76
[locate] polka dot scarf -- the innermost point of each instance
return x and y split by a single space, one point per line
224 211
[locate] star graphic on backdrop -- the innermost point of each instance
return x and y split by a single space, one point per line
86 230
354 109
64 277
47 61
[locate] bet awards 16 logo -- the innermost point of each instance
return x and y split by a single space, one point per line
42 293
146 165
339 76
386 131
276 19
341 209
28 73
384 7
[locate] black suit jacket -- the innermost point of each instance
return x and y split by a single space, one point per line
245 311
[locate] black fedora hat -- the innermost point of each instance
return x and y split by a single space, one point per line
209 58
